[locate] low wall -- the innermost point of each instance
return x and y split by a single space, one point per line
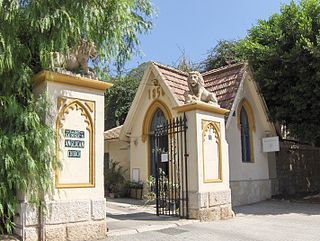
250 191
298 169
208 206
63 220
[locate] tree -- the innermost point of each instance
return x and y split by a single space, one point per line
284 52
119 98
29 32
222 54
184 64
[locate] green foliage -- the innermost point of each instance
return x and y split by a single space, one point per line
27 155
29 31
165 187
119 98
184 64
284 52
150 196
223 53
114 177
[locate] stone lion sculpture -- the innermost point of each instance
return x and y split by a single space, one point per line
76 59
197 92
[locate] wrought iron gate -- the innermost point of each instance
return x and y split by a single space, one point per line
171 184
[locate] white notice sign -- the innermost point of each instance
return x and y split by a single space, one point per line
270 144
135 174
164 157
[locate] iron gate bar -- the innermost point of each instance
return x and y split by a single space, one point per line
171 177
182 186
186 155
157 174
171 164
174 183
177 132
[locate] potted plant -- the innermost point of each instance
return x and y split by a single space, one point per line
114 179
134 188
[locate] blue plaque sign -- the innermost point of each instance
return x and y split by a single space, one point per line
74 153
74 143
73 134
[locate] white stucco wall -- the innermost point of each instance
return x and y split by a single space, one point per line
215 186
76 211
119 151
139 150
249 182
55 90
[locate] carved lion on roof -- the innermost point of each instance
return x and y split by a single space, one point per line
77 59
197 91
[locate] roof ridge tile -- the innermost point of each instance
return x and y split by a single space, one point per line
170 68
223 68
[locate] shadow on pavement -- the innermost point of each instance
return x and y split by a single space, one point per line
142 216
278 207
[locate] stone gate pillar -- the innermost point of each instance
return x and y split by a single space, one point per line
208 162
77 209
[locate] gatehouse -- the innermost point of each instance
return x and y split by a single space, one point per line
227 122
197 136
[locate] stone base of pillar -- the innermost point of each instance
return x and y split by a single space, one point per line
63 220
209 206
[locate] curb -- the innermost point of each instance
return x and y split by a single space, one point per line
150 228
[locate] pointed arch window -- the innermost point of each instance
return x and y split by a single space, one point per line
157 114
158 120
246 126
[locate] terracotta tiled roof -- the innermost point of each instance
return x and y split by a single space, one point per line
224 82
112 133
175 79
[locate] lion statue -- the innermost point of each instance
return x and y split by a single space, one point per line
76 59
197 92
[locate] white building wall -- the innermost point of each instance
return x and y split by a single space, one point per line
119 151
249 182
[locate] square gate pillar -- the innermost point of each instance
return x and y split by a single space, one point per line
208 163
76 211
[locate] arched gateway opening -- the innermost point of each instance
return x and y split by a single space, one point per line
167 159
159 144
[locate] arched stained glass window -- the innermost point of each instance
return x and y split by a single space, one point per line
245 136
247 127
158 120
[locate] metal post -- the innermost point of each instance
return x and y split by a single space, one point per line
186 161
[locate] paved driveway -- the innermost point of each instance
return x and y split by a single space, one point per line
267 221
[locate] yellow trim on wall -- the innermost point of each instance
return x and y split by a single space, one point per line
201 106
70 79
252 126
147 122
149 115
70 104
207 124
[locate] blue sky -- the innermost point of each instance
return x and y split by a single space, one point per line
193 27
